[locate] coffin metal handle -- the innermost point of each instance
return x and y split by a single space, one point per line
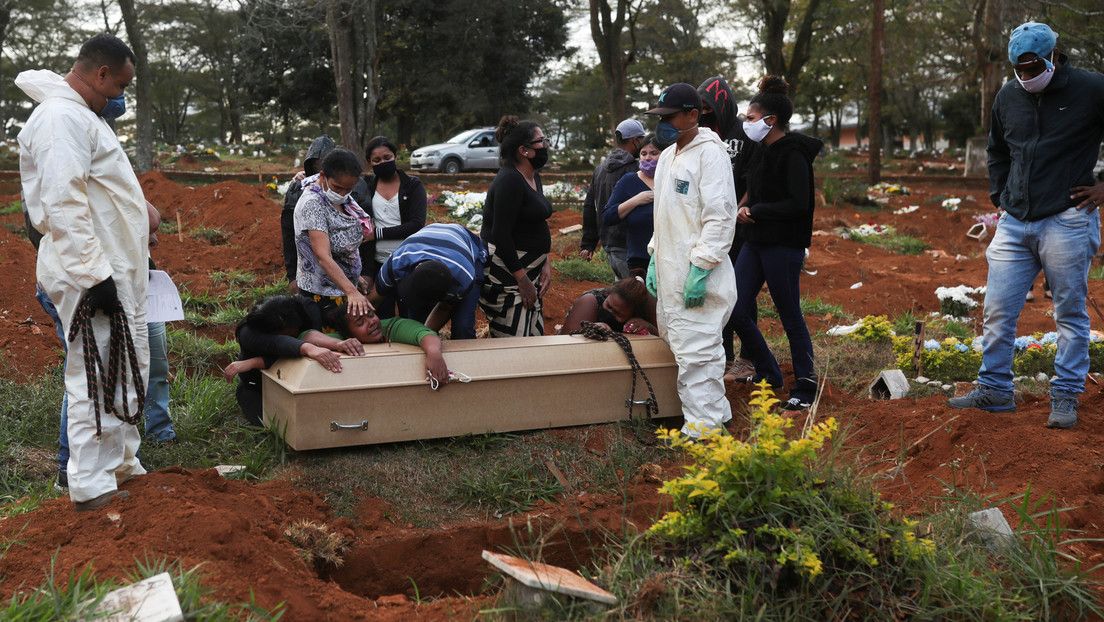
637 402
335 426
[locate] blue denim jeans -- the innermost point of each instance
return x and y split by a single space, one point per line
63 437
463 313
780 268
159 426
1063 246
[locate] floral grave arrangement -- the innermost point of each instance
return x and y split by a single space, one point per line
956 301
871 229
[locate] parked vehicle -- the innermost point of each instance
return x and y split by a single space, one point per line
470 149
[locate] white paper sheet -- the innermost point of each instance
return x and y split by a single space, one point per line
163 301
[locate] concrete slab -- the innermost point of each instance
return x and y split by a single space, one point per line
891 384
149 600
993 528
549 578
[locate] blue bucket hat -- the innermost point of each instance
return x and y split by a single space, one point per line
1031 37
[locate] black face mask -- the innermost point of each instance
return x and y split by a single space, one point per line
384 170
708 119
539 159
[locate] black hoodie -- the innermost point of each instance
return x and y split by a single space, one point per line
780 192
311 165
728 125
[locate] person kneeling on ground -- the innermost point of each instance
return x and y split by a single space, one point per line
270 332
368 328
626 306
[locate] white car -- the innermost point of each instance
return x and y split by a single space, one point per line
470 149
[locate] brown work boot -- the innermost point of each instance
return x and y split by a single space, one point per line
101 501
740 370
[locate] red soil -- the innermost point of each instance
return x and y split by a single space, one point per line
916 446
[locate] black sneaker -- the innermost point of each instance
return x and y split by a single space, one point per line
795 403
62 481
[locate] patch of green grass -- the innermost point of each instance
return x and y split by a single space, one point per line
76 597
809 306
597 270
193 351
14 207
432 483
234 277
900 244
213 236
507 489
1097 272
168 227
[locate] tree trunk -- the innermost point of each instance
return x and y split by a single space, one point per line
775 15
605 30
876 54
989 44
352 27
143 158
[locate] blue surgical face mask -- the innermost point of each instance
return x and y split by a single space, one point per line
114 109
666 133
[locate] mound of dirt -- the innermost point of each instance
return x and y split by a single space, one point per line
236 532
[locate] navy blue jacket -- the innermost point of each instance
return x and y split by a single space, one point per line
1043 144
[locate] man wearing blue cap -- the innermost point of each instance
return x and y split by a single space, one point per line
1045 137
622 161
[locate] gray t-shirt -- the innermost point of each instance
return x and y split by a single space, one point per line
314 212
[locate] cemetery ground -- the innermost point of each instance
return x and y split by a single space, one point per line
396 532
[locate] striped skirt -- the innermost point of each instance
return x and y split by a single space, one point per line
501 300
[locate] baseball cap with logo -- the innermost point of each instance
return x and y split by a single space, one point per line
1031 38
677 98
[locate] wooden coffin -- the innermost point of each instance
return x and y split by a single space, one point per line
522 383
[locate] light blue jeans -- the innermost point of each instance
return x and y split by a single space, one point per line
1063 246
159 426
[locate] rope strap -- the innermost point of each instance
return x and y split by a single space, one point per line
120 352
592 330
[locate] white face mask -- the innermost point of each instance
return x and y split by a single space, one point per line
757 130
1039 82
334 198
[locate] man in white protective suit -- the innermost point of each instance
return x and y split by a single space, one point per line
689 272
82 194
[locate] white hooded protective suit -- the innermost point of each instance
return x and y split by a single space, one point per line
82 194
695 219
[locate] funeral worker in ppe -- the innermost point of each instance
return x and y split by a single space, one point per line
83 195
689 272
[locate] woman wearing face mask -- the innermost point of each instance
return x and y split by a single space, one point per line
631 202
776 222
397 204
515 228
329 228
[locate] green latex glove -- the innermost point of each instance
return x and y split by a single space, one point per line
693 294
649 281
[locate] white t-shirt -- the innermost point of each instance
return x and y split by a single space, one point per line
385 213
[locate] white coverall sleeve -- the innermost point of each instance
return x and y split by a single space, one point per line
718 196
63 169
